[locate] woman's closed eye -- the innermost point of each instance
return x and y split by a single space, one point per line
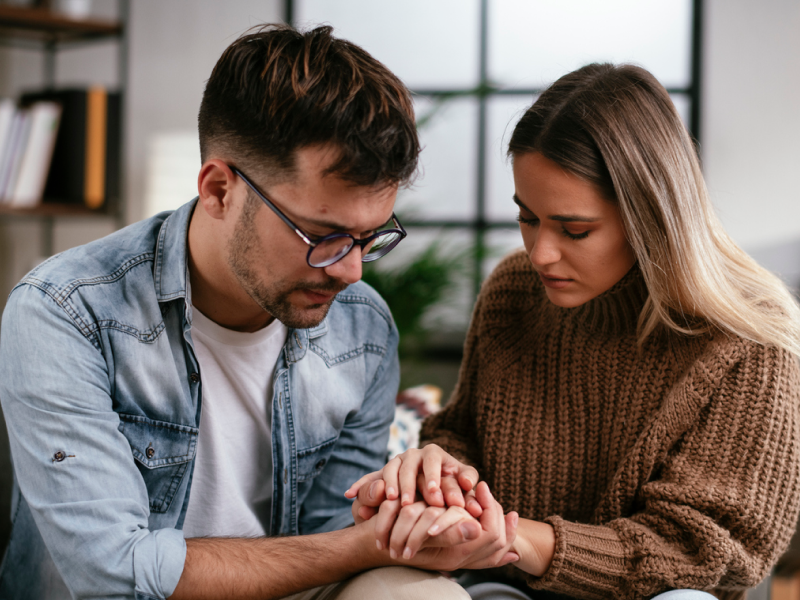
532 221
575 236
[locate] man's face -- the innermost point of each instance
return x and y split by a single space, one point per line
268 258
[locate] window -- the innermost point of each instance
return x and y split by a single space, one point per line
474 66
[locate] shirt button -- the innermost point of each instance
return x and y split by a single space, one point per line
320 464
195 377
59 456
150 452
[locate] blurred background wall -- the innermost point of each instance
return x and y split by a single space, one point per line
747 119
748 126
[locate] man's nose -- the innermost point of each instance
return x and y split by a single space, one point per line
348 269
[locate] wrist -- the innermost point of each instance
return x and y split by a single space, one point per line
368 551
536 544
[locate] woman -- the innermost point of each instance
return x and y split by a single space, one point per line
630 380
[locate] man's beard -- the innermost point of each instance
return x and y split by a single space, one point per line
273 297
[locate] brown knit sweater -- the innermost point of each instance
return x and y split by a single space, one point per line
673 466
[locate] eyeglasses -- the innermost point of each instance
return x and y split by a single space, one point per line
328 249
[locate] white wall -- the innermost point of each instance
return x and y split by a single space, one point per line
174 46
751 125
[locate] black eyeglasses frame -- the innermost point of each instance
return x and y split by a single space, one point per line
314 241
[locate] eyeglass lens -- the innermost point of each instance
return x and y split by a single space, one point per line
333 249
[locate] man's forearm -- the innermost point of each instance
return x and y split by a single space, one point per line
265 568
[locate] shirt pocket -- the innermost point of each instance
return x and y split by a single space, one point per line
311 461
163 452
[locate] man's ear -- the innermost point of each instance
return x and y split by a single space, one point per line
215 184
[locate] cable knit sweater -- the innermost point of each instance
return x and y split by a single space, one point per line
670 466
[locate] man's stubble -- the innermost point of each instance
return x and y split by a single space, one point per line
243 249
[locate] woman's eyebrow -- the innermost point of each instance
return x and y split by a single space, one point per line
519 203
572 218
561 218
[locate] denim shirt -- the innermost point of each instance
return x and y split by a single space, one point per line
101 392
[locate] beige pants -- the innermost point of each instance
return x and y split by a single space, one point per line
390 583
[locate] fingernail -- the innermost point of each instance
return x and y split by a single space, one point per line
378 545
467 532
432 484
407 553
372 490
406 499
433 530
392 553
390 492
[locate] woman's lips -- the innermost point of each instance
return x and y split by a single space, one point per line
555 283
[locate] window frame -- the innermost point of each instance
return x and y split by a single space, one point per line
480 225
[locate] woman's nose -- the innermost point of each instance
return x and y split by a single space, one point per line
545 250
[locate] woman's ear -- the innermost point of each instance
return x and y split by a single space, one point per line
215 187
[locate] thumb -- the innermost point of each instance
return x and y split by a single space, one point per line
512 520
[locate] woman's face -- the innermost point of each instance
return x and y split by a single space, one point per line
574 236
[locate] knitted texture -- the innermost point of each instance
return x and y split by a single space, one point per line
673 465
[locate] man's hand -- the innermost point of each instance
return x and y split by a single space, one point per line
437 476
447 538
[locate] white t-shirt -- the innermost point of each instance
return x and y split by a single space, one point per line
231 494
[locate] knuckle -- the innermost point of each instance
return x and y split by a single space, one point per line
434 511
411 510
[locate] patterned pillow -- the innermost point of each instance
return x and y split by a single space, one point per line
412 406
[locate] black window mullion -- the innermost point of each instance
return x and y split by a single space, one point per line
696 70
480 225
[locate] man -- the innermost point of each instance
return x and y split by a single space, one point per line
189 398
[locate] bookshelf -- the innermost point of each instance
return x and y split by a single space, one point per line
39 29
42 25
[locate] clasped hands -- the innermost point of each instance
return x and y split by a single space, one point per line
428 508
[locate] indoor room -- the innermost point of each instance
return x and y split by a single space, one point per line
473 67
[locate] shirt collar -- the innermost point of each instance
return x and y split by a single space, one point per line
171 270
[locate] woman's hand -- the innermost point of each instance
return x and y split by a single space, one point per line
437 476
447 538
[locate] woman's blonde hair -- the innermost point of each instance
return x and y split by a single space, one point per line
616 127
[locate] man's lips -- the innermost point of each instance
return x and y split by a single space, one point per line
318 297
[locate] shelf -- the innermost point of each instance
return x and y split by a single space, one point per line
42 25
52 210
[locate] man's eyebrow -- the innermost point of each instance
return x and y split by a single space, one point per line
337 227
560 218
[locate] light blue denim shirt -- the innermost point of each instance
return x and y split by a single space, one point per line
101 392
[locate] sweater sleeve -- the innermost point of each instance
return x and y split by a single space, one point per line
721 506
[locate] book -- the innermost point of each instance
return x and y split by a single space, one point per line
8 110
18 136
85 167
35 155
94 177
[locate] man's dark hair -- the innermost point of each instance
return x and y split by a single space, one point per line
276 90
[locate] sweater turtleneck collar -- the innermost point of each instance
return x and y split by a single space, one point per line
617 309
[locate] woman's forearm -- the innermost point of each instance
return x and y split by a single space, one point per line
535 543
